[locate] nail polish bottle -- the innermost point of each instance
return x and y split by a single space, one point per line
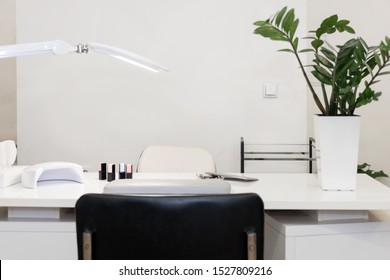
103 171
129 171
111 172
122 171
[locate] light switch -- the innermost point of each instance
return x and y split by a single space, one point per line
270 90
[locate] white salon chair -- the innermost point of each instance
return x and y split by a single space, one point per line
160 158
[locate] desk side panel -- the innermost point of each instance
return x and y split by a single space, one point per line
40 240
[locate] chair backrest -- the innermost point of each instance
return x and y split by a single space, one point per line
170 227
159 158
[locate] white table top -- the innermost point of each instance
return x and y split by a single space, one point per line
278 191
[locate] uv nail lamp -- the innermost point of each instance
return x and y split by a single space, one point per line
52 171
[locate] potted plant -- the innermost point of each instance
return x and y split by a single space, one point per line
346 74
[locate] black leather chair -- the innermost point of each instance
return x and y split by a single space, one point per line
202 227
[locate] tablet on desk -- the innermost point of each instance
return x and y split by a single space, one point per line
226 176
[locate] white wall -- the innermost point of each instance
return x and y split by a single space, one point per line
370 21
7 72
89 109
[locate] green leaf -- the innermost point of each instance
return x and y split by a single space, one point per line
351 43
363 165
377 59
320 31
280 16
342 22
340 28
295 43
270 32
286 50
322 71
306 50
328 54
383 73
317 43
368 67
367 96
366 168
360 54
329 22
349 30
375 82
310 37
341 25
346 51
384 50
384 54
387 40
346 90
331 30
379 174
341 69
322 78
330 47
364 43
324 61
288 19
293 28
260 23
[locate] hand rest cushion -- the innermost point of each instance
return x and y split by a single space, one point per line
167 186
52 171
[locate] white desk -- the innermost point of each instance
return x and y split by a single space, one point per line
289 234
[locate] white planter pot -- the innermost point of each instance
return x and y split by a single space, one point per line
337 148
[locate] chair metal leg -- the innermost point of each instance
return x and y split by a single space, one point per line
252 245
87 246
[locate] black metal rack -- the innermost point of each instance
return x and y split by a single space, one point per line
306 155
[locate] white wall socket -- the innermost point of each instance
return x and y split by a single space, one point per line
270 90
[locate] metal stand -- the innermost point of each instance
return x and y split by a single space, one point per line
283 155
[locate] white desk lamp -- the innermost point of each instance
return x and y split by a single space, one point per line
59 47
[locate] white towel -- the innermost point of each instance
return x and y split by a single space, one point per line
7 153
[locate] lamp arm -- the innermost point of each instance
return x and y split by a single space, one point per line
56 47
59 47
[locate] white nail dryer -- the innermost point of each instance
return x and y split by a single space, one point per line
52 171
